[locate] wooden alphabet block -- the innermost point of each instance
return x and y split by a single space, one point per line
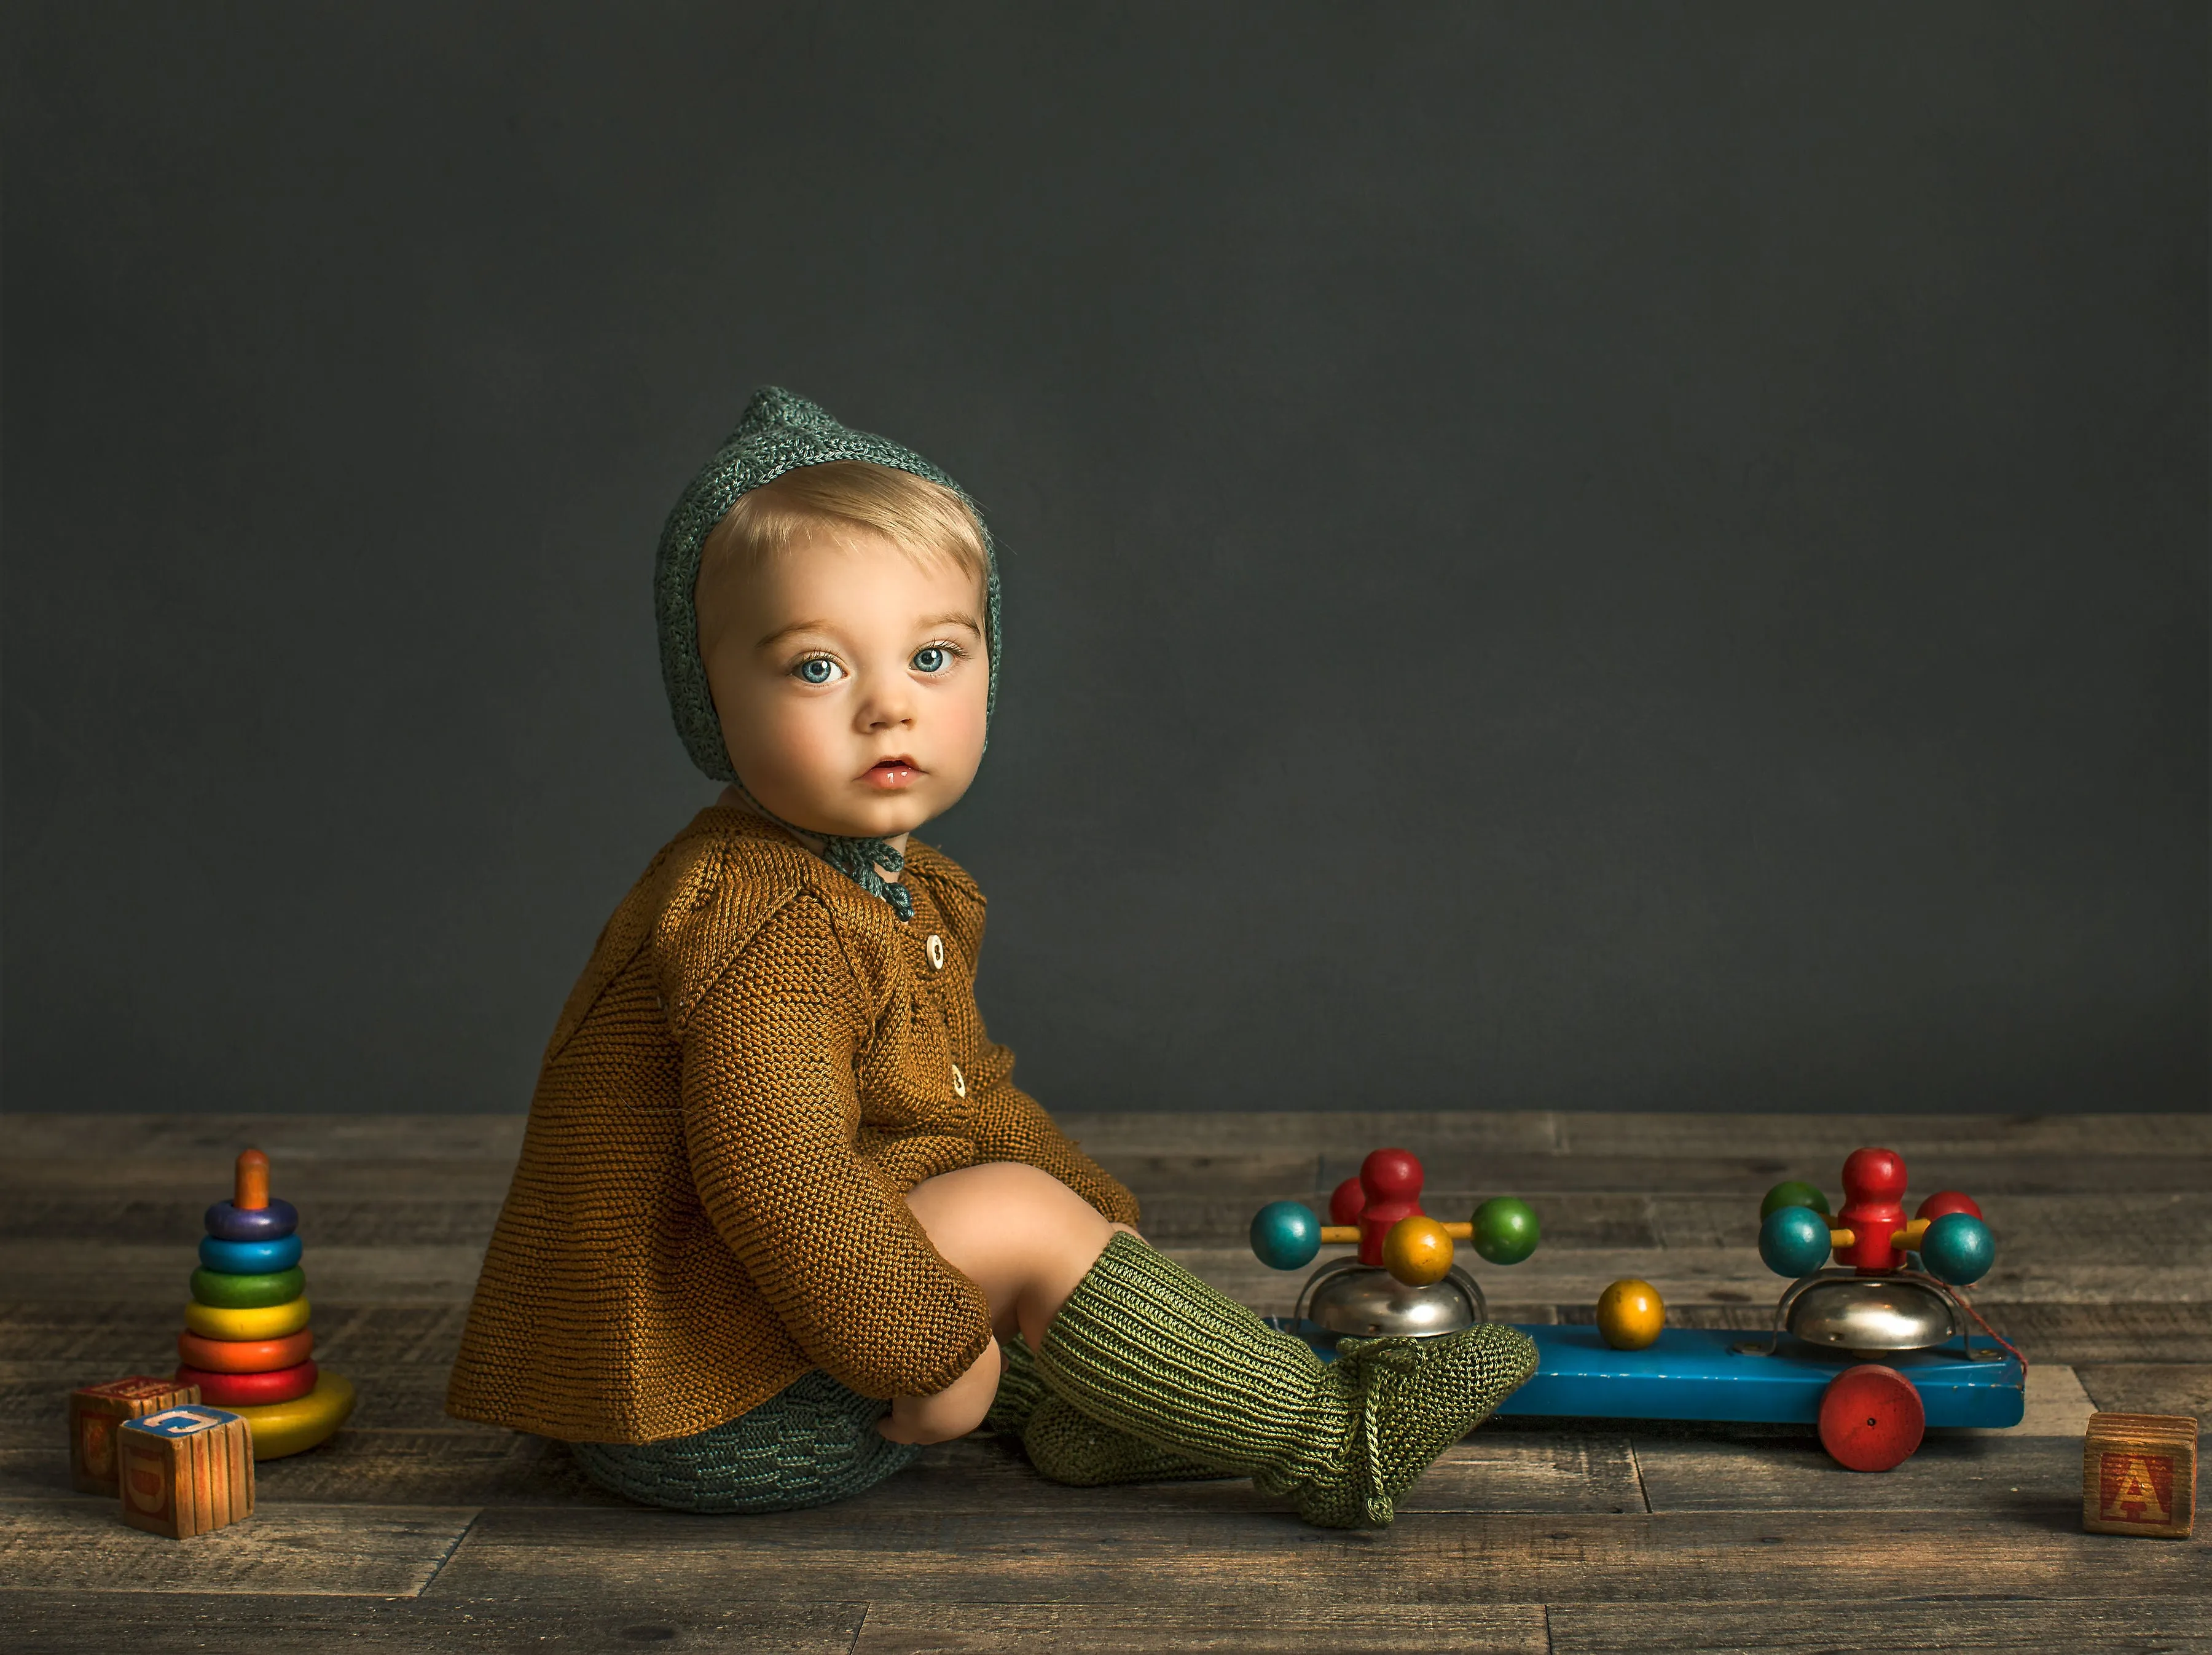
2139 1475
96 1412
186 1471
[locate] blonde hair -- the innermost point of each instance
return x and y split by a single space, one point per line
927 520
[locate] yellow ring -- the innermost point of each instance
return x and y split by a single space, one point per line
281 1429
268 1322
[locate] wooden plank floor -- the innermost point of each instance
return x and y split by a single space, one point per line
413 1531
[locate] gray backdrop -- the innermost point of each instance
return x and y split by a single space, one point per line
1559 556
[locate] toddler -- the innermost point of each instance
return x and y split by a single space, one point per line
781 1214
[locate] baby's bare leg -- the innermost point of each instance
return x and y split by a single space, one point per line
1023 1237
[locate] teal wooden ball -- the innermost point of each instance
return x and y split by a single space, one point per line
1285 1235
1505 1230
1959 1249
1793 1241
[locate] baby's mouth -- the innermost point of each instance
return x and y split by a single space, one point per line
891 774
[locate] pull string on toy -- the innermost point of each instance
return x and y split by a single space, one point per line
2019 1356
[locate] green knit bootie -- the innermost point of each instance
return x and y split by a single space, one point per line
1068 1445
1144 1346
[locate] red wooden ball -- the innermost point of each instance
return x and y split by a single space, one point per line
1391 1175
1947 1201
1874 1175
1350 1200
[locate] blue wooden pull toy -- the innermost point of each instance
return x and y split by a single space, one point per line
1813 1368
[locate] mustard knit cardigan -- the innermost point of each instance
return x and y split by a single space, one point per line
757 1063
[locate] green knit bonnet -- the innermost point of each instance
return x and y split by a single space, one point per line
778 433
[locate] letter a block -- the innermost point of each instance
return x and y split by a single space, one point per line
187 1471
97 1412
2139 1475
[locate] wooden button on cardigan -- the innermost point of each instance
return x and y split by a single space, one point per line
757 1063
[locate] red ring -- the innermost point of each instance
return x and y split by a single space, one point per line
245 1355
249 1390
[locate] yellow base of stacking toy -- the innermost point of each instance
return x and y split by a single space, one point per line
281 1429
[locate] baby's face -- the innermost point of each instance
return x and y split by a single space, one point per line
851 682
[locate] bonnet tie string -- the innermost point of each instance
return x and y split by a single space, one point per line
860 860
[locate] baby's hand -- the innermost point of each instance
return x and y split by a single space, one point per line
952 1412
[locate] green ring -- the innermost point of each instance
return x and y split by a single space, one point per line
247 1293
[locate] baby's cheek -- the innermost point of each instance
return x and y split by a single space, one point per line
785 751
963 725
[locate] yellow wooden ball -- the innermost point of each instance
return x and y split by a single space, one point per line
1416 1251
1630 1314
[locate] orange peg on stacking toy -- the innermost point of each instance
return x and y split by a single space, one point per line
252 1185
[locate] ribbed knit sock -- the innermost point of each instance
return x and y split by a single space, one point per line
1020 1388
1068 1445
1144 1346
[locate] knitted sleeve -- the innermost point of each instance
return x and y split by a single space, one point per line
1011 1126
771 1114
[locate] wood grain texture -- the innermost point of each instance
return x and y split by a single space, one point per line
1128 1628
306 1184
2151 1387
180 1221
1830 1626
190 1623
2022 1476
1261 1561
2089 1332
1530 1535
1750 1175
188 1140
50 1623
1831 1137
78 1545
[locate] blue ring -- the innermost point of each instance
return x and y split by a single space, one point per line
249 1257
271 1223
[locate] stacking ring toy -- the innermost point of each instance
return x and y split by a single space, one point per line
281 1429
245 1355
228 1390
268 1322
246 1293
228 1222
249 1257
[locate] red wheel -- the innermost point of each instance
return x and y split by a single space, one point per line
1871 1418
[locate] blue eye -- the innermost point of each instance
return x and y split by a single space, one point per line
818 670
932 658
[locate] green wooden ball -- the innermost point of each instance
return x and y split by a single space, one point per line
1794 1193
1505 1230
